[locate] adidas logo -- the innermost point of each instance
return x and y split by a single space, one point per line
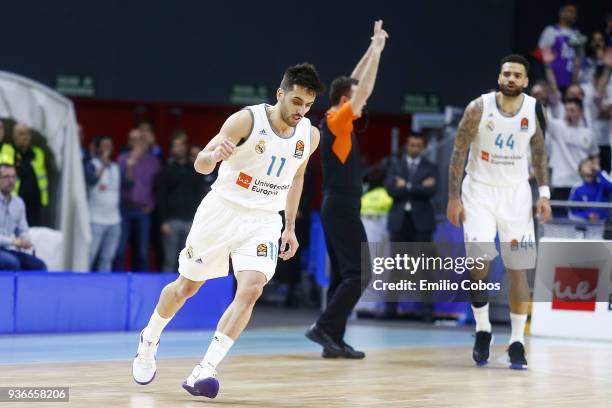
263 132
490 115
199 261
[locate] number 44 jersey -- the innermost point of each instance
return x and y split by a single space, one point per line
259 173
498 154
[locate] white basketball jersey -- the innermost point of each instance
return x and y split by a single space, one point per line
498 154
259 173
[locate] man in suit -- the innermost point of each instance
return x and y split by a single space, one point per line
412 182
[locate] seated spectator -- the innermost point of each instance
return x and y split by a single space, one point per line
595 188
31 166
569 143
177 200
14 239
563 40
140 168
104 181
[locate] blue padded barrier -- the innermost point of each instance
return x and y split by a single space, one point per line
202 311
70 302
7 302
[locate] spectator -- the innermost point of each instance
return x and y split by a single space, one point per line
177 200
570 143
594 56
87 153
540 90
563 40
7 151
140 168
412 182
104 181
14 227
595 187
555 107
598 109
31 165
146 127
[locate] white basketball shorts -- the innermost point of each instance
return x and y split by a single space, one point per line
506 210
222 229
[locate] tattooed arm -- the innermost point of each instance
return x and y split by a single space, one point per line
540 168
468 128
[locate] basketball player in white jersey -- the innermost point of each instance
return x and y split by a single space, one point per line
497 129
264 152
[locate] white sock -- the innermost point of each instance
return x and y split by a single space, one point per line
481 315
517 322
155 327
219 346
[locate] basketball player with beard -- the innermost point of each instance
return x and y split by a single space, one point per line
497 129
264 151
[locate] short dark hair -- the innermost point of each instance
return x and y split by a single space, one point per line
144 121
304 75
517 59
575 101
340 87
418 136
583 161
177 134
566 5
97 140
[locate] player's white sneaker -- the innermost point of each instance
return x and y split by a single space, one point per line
144 366
202 382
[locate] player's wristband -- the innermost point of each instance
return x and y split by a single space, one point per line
544 192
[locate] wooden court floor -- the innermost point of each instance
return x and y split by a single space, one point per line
403 377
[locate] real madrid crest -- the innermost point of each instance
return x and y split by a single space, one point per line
491 125
260 147
189 252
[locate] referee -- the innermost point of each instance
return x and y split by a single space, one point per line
342 189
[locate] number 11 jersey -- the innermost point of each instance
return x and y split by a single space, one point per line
259 173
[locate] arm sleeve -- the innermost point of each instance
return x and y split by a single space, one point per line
605 179
22 224
90 174
341 122
547 38
396 193
593 149
578 212
5 241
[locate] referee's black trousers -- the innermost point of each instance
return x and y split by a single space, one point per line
344 234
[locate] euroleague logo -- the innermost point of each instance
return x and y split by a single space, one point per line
524 124
575 288
262 250
299 149
244 180
484 155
